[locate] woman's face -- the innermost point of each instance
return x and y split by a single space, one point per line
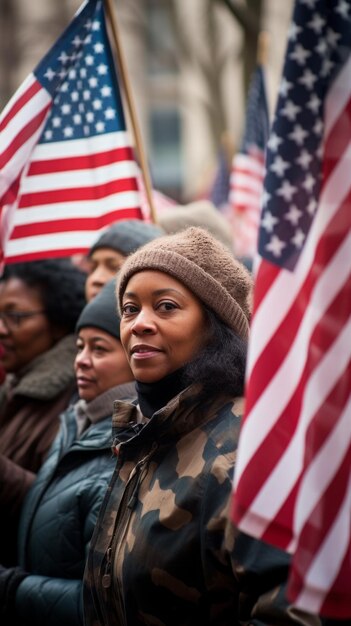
100 363
23 337
104 263
163 325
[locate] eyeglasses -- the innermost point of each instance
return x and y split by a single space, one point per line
12 319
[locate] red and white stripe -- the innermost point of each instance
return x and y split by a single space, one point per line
293 482
245 197
57 197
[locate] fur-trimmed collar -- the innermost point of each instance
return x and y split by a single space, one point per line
49 374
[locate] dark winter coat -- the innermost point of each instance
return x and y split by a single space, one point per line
29 420
156 555
59 515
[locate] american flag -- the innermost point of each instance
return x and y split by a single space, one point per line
246 180
66 163
292 485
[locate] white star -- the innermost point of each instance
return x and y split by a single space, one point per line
275 246
314 103
284 87
294 31
77 118
332 37
49 74
308 183
74 96
327 66
304 159
293 215
290 110
300 54
87 39
97 104
86 130
79 84
298 238
88 24
56 122
110 113
274 142
64 87
72 74
77 41
86 94
66 109
89 59
308 79
312 206
343 8
316 23
81 107
63 57
322 47
93 82
68 131
286 190
62 73
98 47
268 221
48 134
298 135
90 117
102 69
83 72
318 127
96 25
279 166
100 127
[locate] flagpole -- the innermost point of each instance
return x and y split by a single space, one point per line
131 107
262 48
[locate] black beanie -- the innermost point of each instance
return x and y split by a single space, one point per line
101 311
126 236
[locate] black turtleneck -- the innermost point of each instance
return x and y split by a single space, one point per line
153 396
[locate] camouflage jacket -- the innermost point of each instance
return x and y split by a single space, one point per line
158 554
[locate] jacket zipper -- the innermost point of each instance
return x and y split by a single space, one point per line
126 507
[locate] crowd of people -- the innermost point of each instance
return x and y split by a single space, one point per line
120 411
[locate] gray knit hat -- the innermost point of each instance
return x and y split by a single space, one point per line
205 266
126 236
101 311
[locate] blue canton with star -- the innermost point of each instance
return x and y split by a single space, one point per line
79 74
318 45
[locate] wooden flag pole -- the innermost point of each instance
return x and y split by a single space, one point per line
132 111
262 48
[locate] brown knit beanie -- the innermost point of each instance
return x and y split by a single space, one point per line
205 266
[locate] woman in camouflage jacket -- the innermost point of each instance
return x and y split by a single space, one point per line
158 554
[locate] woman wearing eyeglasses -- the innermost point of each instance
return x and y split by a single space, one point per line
39 306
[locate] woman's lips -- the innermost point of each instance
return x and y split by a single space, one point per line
141 352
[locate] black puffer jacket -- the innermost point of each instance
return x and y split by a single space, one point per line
58 518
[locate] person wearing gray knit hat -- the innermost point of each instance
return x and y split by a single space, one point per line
101 312
107 255
185 309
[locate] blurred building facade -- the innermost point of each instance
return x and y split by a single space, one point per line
185 64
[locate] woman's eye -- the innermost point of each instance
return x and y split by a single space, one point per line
167 306
129 309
